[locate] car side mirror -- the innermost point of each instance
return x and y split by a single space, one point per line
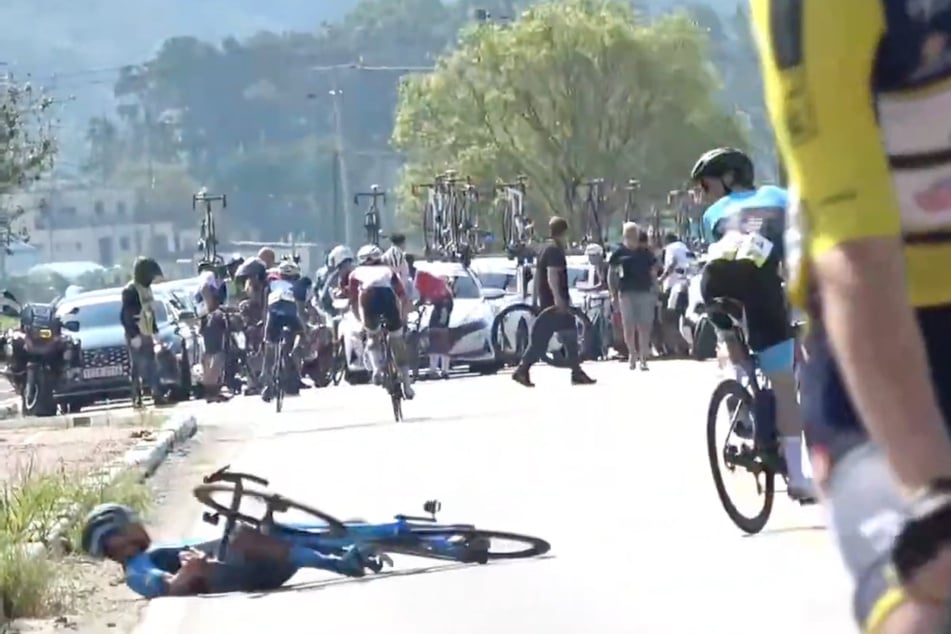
186 314
72 326
492 293
73 310
8 295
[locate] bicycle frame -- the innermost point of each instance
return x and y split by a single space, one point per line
364 534
594 197
391 376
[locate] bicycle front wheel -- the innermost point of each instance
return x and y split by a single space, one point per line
743 457
279 379
465 544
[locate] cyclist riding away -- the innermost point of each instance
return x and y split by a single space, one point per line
859 96
285 290
339 257
437 292
744 227
378 300
254 562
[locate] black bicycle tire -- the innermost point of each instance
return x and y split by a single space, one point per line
429 230
203 493
751 526
339 362
583 341
279 381
501 355
507 226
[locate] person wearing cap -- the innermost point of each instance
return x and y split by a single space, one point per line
551 295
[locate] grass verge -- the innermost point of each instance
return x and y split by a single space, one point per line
30 506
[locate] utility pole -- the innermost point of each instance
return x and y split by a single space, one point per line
340 162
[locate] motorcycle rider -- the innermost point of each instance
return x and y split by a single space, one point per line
137 316
745 227
378 300
284 291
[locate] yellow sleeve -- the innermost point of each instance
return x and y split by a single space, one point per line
818 59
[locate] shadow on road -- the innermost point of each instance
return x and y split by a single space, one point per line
324 583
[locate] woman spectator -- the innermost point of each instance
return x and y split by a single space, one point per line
632 282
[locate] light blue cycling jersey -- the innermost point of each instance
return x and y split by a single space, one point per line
762 210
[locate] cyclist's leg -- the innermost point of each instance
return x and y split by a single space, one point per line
771 338
370 312
721 278
393 322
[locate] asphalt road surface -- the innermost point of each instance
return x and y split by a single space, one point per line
614 475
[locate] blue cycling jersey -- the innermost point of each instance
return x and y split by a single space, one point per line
145 573
762 210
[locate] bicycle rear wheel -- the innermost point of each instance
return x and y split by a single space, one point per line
742 458
340 363
430 228
279 378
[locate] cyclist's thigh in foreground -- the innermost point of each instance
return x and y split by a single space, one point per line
860 94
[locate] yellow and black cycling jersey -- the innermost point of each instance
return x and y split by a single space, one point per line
859 92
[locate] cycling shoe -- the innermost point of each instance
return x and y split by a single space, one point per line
376 563
351 563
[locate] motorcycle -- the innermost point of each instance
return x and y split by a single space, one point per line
38 353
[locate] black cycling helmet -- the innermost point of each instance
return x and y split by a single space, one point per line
721 161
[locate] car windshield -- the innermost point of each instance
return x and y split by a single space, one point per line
502 281
98 315
464 287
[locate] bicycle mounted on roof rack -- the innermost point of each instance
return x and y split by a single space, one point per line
518 229
207 237
632 212
449 228
593 205
685 204
371 216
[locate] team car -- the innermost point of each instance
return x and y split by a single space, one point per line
470 324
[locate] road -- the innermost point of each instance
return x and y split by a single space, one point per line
614 475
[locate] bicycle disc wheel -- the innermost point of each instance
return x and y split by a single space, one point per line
734 459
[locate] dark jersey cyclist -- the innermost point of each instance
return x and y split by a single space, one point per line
745 226
254 561
859 94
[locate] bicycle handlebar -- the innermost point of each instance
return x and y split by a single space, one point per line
225 475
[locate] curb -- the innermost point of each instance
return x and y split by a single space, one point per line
145 457
95 419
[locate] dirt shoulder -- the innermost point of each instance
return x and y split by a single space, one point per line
103 604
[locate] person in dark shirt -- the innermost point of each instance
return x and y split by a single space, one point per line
137 317
551 295
632 281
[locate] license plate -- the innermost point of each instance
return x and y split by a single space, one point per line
104 372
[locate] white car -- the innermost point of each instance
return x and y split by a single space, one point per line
470 324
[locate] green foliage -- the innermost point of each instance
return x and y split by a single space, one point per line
571 90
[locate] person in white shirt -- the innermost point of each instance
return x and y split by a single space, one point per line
676 261
395 255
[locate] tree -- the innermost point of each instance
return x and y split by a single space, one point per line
105 148
27 150
571 90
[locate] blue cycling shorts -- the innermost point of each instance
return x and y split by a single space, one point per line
279 315
778 358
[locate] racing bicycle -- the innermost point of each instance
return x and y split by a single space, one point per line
281 374
371 217
631 209
752 410
593 201
224 491
517 228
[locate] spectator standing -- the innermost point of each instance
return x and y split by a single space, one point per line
436 291
137 316
632 282
214 331
551 294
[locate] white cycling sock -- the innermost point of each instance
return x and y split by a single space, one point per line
444 362
434 362
792 452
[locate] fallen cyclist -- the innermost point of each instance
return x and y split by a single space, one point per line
254 561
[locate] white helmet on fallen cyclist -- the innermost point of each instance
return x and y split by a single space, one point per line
338 255
369 254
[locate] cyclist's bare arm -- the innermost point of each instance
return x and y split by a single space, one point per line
852 216
865 301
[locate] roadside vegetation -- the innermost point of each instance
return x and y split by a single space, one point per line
34 582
